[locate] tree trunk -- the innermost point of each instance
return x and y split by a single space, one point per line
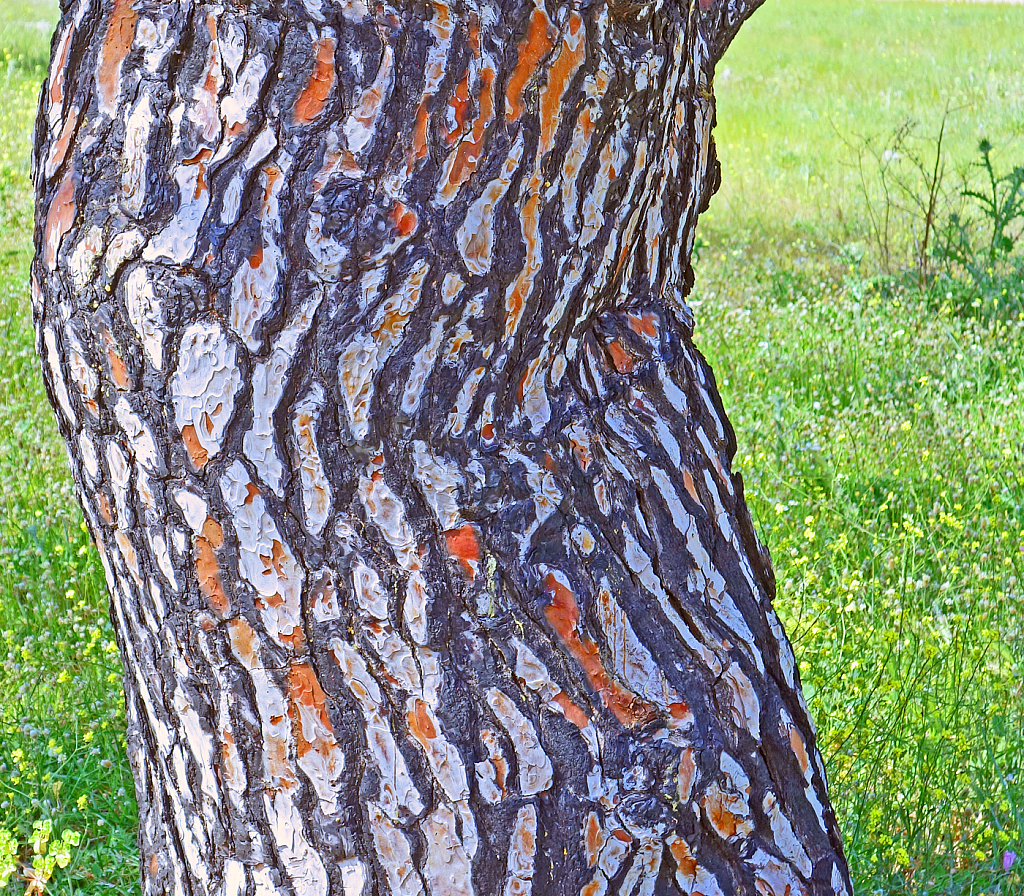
366 331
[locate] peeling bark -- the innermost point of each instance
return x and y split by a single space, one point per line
366 330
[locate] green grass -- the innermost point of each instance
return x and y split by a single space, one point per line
881 429
802 80
880 436
62 752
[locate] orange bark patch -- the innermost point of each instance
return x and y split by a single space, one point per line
566 63
796 742
117 43
593 838
404 219
646 325
571 711
420 725
684 858
459 105
563 616
467 156
207 568
687 774
690 488
104 504
59 219
305 693
419 134
721 818
623 360
196 452
464 547
321 82
59 149
538 42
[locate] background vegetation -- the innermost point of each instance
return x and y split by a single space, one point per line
879 410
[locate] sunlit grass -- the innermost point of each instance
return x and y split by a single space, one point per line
805 81
62 756
880 430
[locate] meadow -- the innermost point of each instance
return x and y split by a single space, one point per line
879 417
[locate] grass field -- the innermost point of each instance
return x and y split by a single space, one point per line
880 430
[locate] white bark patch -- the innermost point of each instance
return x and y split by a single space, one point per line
146 314
120 476
319 755
422 366
386 511
440 483
83 259
521 851
268 382
475 238
367 353
394 854
205 383
617 846
304 867
254 289
200 743
194 509
535 406
122 247
726 802
443 758
633 664
746 708
398 793
236 107
264 560
353 877
234 878
262 145
642 876
535 772
784 837
447 870
152 37
838 884
84 377
370 596
775 878
693 878
316 489
177 241
362 123
57 375
327 253
87 454
458 419
324 597
492 772
163 556
135 156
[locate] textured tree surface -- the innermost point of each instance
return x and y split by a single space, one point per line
366 330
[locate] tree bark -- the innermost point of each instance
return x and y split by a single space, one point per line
365 327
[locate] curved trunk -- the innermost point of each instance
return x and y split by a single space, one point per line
366 330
